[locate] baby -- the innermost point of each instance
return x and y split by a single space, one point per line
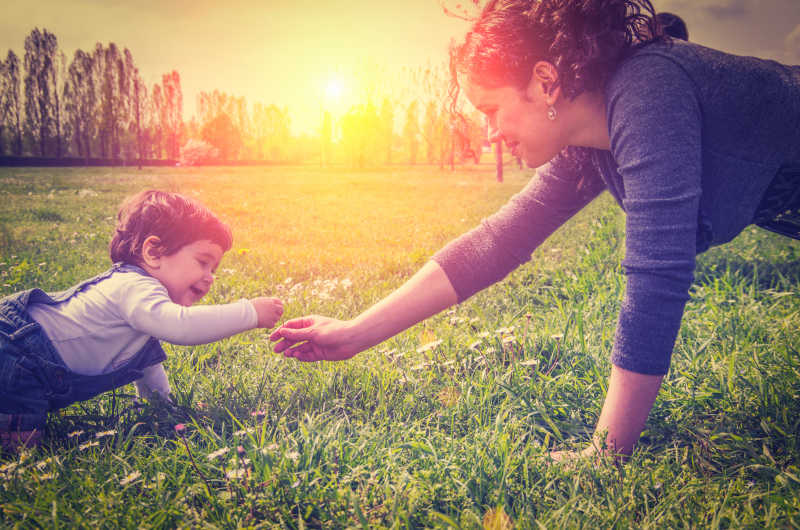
59 348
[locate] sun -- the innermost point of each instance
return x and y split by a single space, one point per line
334 88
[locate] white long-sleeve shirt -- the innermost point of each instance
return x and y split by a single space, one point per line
103 326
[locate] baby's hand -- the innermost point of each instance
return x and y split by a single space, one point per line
269 310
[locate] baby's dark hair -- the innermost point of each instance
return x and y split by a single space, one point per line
176 220
583 39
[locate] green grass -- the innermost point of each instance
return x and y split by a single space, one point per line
415 432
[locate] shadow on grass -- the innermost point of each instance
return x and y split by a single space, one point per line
766 274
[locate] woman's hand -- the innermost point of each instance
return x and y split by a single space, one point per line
316 338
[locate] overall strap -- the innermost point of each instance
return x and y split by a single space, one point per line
40 297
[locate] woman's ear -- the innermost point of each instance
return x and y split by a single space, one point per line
151 251
544 83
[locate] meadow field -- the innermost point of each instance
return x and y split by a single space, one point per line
450 423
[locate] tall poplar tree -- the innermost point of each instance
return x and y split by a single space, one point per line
12 101
172 112
41 99
81 99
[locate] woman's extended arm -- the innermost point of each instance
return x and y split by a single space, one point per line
317 338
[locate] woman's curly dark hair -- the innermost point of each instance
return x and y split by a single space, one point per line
583 39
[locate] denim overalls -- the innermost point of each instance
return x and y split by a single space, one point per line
34 379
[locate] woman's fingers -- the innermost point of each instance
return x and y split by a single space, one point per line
287 330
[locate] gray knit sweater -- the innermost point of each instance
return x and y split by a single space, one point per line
696 137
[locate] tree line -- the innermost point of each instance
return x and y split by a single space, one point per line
97 106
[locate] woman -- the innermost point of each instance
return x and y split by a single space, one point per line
694 144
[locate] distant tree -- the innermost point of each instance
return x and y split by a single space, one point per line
2 106
411 131
105 59
61 130
156 121
242 122
115 70
172 112
40 91
80 101
437 128
431 131
359 139
386 130
138 105
326 139
223 135
128 143
270 132
196 152
11 101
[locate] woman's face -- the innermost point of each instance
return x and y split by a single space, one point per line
519 118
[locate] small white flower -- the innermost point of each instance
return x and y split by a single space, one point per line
92 443
130 478
242 432
236 473
103 434
429 346
11 466
218 453
41 465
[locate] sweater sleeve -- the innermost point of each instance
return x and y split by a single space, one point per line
506 239
655 130
146 306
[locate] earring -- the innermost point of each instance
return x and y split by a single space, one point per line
551 113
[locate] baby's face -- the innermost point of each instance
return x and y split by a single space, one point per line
188 273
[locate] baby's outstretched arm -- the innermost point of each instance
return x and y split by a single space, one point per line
269 310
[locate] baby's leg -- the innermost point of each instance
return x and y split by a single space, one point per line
153 381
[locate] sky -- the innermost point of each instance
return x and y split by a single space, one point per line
303 54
